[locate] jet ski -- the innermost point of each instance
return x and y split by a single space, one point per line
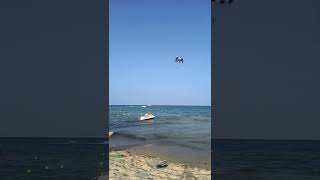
147 116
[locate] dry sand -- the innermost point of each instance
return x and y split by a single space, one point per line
134 167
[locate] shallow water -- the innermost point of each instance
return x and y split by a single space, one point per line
185 127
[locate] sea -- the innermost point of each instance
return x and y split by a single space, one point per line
185 132
181 132
53 158
266 159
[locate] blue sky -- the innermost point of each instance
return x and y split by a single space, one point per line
145 36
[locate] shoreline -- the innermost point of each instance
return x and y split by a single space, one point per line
175 154
200 158
138 164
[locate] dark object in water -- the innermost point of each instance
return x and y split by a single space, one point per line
162 164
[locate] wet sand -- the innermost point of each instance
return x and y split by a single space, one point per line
136 164
177 154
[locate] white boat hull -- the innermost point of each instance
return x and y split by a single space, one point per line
142 118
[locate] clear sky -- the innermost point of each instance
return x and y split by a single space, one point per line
145 36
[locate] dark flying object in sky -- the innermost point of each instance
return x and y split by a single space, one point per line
179 59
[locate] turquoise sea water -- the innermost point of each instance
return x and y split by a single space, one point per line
187 126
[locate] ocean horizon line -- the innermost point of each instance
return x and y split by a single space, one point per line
155 105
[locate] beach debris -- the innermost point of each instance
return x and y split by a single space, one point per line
163 164
118 155
110 133
179 60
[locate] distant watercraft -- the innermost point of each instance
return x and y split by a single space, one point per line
110 133
143 106
147 116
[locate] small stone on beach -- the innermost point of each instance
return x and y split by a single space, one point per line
162 164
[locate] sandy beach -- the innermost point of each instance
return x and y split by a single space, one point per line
127 165
175 145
